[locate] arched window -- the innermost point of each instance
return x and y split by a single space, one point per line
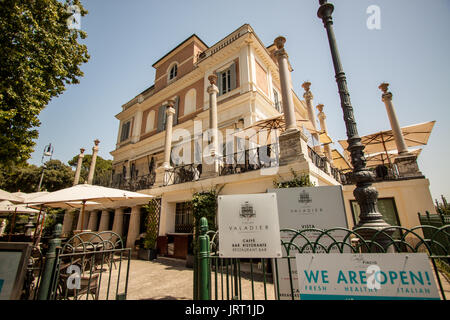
190 101
150 124
173 72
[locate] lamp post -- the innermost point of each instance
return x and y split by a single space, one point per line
365 194
48 152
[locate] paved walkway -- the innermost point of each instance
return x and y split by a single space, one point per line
153 280
167 279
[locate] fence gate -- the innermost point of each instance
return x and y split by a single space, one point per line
89 266
217 278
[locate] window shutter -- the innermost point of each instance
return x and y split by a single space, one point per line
161 117
219 82
176 107
233 76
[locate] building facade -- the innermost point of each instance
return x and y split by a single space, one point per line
181 135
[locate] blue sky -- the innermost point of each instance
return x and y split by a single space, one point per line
410 51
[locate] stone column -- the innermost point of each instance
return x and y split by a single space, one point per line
94 159
104 221
292 141
210 165
311 115
2 227
161 172
78 171
67 224
118 221
133 229
137 126
286 89
406 162
93 220
324 128
386 97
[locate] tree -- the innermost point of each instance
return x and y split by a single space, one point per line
102 173
26 178
39 56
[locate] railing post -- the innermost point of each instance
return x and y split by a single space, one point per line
50 262
203 261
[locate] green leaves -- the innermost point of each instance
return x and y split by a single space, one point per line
103 169
26 177
297 181
40 55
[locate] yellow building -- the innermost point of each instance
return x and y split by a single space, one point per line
180 136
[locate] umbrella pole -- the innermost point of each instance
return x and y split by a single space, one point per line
35 230
40 230
82 215
13 224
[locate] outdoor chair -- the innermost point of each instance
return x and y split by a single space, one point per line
89 282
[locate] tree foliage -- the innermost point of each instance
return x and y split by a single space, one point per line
26 178
102 173
40 55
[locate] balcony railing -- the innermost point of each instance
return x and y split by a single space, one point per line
319 162
135 183
324 164
381 173
249 160
184 173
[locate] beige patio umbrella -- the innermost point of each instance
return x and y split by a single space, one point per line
277 124
87 192
4 195
9 207
383 141
339 161
373 160
29 197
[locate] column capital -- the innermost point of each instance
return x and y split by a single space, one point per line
320 108
212 89
170 110
308 95
95 147
281 53
306 85
279 42
212 79
171 103
386 95
81 155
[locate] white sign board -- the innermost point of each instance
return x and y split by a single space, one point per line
9 264
248 226
346 276
305 208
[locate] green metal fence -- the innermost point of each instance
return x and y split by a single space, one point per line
260 279
87 266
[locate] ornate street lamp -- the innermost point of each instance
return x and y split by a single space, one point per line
48 152
365 194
